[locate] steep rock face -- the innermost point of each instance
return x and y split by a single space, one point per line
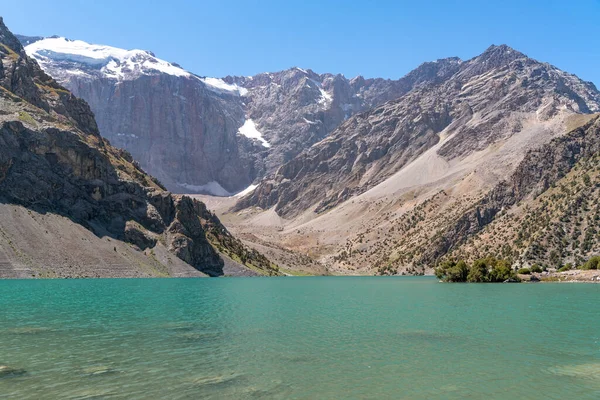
483 101
296 108
53 161
179 131
549 220
180 128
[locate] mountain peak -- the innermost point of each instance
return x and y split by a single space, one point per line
8 39
79 57
501 54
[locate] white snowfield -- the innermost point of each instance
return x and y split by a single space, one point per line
112 61
246 191
220 85
249 130
79 58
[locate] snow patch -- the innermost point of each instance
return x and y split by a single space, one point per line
309 122
325 97
246 191
348 109
249 130
213 188
131 135
219 85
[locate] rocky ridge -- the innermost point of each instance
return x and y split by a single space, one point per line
296 108
479 103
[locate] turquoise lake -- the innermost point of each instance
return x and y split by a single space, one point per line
299 338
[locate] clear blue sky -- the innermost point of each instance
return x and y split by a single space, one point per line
383 38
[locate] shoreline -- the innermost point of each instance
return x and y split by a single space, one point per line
571 276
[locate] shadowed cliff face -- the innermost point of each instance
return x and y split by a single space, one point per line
481 102
52 160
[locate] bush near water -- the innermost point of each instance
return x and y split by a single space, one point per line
488 269
491 269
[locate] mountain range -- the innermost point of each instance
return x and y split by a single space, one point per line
209 135
360 176
383 191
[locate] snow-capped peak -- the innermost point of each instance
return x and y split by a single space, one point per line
77 57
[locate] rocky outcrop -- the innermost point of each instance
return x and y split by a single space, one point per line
475 104
26 80
535 176
53 161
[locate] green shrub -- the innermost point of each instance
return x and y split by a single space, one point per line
565 268
478 272
524 271
536 268
483 270
458 273
442 269
451 271
592 263
26 117
501 271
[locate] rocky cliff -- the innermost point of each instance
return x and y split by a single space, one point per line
296 108
55 166
179 127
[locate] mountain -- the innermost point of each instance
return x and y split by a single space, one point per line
72 205
183 129
296 108
381 193
486 100
209 135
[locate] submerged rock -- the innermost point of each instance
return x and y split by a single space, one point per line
6 371
179 327
98 370
29 330
216 380
586 371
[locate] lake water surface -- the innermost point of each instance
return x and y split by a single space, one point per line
299 338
